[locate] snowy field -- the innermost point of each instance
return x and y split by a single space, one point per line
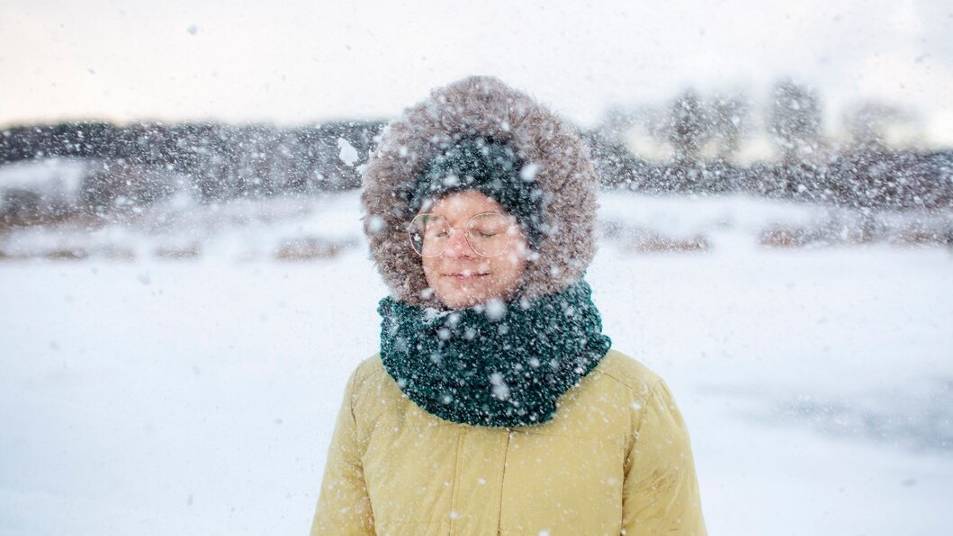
159 396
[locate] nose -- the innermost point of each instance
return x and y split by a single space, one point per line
457 245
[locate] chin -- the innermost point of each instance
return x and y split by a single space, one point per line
458 299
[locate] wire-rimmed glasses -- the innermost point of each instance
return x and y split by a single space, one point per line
487 233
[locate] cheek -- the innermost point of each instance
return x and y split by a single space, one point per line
509 267
429 270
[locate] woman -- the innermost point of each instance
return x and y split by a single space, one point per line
495 404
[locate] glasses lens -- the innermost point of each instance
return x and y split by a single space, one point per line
489 233
428 234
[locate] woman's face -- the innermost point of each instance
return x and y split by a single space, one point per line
459 275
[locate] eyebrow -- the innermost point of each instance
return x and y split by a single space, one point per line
466 217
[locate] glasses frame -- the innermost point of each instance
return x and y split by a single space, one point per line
466 235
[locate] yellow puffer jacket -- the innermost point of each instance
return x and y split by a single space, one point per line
616 459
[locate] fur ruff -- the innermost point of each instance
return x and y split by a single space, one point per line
485 106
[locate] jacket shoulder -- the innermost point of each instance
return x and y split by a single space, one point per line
627 371
367 373
368 367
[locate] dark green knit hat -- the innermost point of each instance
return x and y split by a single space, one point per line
491 168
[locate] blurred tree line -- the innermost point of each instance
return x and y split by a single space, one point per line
223 161
138 164
701 139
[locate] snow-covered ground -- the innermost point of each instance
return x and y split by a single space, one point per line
169 396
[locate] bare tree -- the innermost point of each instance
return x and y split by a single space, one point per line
794 120
728 121
688 126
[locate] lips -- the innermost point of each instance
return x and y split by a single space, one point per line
465 276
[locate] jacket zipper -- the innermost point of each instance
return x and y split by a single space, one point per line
506 448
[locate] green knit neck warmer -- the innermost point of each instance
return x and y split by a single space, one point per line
494 364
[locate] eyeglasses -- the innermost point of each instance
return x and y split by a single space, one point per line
487 233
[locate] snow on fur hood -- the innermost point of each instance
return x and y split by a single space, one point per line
481 106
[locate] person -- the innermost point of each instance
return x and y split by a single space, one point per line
495 404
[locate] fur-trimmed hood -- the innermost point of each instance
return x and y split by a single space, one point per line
482 106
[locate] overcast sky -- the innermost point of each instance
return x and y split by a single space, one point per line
299 62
